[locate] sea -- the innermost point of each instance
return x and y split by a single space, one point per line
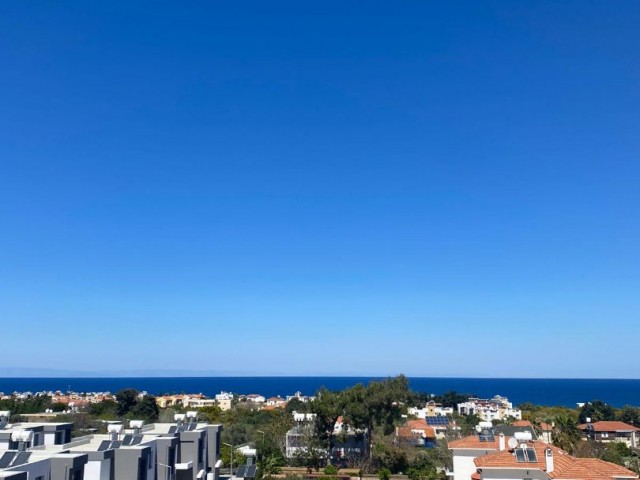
551 392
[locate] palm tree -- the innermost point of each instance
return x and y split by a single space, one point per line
566 434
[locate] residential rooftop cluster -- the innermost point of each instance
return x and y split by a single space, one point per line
224 400
520 451
184 450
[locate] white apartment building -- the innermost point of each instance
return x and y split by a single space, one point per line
496 408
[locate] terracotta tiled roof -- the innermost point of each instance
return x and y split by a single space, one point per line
545 427
565 465
609 426
417 424
521 423
427 432
473 442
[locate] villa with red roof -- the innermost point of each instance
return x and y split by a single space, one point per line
538 460
611 431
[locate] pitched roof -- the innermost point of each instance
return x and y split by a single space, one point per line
510 430
521 423
610 426
473 442
407 432
565 465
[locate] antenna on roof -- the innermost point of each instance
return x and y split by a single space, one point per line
513 443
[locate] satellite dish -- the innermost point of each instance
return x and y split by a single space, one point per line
513 443
478 428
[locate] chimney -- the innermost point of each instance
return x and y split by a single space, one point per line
501 445
548 457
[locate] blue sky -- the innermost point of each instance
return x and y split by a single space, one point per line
434 188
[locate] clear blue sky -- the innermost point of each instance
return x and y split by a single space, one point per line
434 188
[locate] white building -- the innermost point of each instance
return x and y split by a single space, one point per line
431 409
496 408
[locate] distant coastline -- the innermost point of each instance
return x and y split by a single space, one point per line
562 392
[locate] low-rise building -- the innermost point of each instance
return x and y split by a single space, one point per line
180 451
538 460
489 410
610 431
416 433
431 409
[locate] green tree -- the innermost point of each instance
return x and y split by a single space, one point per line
452 398
630 415
126 400
107 410
211 414
596 411
422 468
296 405
384 473
616 452
145 409
331 470
566 434
270 465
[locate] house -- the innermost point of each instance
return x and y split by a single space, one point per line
255 398
489 439
496 408
277 402
546 432
431 409
527 459
416 433
299 396
611 431
348 443
466 450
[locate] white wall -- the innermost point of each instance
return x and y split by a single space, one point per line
41 468
463 466
50 438
97 469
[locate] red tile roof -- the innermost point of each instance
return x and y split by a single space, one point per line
407 432
521 423
565 465
610 426
473 442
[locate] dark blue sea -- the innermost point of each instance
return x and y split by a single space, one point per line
565 392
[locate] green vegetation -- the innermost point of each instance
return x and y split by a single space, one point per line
377 408
34 404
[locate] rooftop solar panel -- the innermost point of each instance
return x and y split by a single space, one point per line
136 440
173 429
5 460
127 440
241 472
104 445
520 455
115 444
251 471
21 458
